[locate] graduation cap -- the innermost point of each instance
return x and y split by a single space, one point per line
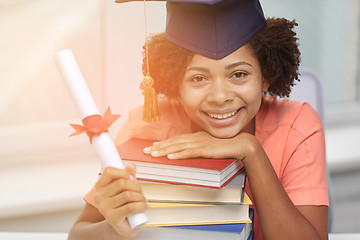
212 28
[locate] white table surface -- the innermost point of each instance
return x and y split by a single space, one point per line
63 236
32 236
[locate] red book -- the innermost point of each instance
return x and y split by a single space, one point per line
213 173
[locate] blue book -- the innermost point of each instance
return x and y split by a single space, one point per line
243 230
165 233
232 227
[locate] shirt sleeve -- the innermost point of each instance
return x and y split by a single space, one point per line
89 197
304 176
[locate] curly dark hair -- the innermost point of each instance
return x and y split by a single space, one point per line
275 46
277 50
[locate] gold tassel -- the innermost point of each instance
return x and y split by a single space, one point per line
150 108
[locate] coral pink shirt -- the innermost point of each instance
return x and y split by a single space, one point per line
291 134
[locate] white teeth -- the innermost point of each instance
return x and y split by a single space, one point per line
222 116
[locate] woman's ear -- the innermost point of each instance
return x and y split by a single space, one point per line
266 85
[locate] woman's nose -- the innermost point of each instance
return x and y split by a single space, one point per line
220 92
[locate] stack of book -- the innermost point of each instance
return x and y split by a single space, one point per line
192 194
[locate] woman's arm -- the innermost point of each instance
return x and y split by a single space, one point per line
117 196
291 222
91 225
302 222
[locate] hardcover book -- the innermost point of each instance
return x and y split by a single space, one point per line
177 214
231 193
239 231
213 173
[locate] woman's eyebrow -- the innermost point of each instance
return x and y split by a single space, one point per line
201 69
237 64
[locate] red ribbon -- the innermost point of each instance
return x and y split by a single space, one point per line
95 124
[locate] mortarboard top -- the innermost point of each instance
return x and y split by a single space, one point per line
212 28
209 2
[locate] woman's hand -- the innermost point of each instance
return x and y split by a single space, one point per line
202 144
118 195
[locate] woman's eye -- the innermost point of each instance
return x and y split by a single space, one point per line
198 79
238 77
239 74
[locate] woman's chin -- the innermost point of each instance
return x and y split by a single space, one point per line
223 133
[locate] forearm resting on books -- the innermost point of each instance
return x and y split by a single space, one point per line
90 230
278 216
92 225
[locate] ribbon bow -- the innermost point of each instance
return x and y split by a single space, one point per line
95 124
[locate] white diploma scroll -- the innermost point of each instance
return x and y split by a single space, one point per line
102 143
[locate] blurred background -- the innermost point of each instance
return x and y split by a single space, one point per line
44 174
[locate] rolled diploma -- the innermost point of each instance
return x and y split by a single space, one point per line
103 144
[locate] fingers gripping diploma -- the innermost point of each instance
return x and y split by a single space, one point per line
118 195
200 144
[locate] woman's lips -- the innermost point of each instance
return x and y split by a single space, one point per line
220 116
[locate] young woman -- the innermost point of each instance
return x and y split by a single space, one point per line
227 108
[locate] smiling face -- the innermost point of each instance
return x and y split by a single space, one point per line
222 96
